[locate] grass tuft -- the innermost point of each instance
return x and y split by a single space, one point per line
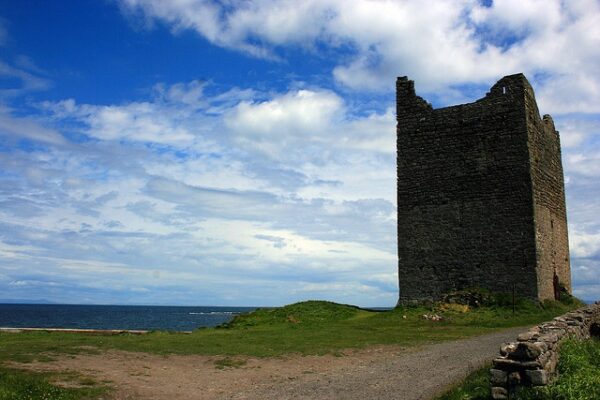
229 362
29 386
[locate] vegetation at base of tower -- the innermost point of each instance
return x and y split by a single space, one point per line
311 327
579 377
478 297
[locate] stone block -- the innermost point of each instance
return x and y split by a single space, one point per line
537 377
525 351
548 338
552 362
499 393
511 365
526 336
542 345
498 377
514 378
506 348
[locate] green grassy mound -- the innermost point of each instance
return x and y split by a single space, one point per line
306 313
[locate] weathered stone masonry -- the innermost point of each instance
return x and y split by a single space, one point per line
480 196
532 359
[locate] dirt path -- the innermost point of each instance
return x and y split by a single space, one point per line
382 372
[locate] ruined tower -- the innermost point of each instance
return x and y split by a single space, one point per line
481 199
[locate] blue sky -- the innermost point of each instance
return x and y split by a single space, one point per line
243 152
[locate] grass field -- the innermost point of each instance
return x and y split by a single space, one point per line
312 327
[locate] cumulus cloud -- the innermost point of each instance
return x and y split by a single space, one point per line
302 116
441 46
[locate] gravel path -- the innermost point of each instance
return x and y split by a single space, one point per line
416 374
378 372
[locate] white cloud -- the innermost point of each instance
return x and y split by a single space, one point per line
440 45
12 128
583 161
575 131
139 122
300 112
25 81
584 244
188 94
287 121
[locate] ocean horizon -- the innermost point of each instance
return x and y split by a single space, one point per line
121 317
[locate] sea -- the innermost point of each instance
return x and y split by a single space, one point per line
165 318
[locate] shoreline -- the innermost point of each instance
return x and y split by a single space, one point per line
86 331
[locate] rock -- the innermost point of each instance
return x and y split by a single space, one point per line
524 337
537 377
548 338
542 345
511 365
498 377
514 378
432 317
525 351
552 362
507 348
499 393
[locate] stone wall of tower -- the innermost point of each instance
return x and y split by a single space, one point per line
550 215
472 196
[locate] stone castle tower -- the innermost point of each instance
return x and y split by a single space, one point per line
481 200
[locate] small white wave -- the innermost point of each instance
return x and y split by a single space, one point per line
214 313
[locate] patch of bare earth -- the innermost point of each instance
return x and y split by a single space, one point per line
380 372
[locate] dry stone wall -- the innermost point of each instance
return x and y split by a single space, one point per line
533 357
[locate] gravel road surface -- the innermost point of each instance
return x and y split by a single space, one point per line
412 374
